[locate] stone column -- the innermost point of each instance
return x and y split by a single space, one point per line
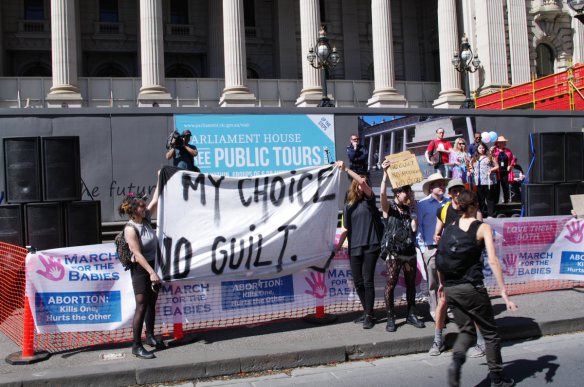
451 93
64 92
380 149
370 155
392 143
518 42
490 35
153 91
215 42
311 93
578 27
236 92
404 148
384 95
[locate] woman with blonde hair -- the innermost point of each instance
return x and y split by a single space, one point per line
362 228
459 160
143 243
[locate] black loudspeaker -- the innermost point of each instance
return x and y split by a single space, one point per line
44 225
61 168
11 225
83 223
563 204
549 162
539 199
574 155
22 169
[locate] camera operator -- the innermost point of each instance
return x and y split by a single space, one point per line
181 152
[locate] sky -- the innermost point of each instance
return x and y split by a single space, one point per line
371 119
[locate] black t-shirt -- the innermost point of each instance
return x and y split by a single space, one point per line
452 215
363 222
503 160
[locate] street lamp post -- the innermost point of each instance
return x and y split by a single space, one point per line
323 58
466 62
578 7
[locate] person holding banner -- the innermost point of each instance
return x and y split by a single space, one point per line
398 249
460 267
362 228
143 243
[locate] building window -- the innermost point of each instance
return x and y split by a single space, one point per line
108 11
179 12
322 11
179 71
36 69
249 13
252 74
34 10
545 60
110 70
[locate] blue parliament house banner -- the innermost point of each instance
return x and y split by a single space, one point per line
253 145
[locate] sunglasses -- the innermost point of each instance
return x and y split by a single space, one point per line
354 139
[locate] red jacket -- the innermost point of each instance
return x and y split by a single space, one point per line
512 161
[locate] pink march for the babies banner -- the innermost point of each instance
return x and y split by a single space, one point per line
86 289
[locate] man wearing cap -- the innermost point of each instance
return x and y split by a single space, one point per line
506 161
433 187
446 215
182 153
438 152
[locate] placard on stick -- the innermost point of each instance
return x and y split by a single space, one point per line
404 169
578 205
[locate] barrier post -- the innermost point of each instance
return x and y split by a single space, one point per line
27 355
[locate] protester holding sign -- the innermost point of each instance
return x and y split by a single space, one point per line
398 249
460 265
362 227
143 243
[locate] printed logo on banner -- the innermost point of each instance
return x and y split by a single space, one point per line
317 285
257 293
78 308
510 265
53 270
572 262
576 230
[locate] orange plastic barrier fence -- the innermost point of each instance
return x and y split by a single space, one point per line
16 320
560 91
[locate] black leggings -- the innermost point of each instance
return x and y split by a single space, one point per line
393 268
363 268
145 312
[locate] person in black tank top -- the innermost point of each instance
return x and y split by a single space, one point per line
467 296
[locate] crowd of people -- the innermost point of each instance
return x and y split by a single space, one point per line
446 226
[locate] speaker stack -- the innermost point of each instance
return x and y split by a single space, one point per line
557 172
43 189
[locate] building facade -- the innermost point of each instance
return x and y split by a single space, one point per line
209 53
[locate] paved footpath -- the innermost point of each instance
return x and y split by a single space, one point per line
281 345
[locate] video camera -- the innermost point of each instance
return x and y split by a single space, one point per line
175 140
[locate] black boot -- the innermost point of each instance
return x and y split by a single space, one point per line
359 320
139 351
152 341
390 327
412 319
368 322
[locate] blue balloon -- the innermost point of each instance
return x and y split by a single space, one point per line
493 136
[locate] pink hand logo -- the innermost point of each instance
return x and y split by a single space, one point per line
576 230
510 262
54 271
317 285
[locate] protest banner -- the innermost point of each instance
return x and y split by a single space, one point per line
404 169
211 225
578 205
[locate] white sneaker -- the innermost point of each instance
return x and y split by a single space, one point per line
436 349
476 351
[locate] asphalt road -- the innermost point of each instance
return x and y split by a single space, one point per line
550 360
